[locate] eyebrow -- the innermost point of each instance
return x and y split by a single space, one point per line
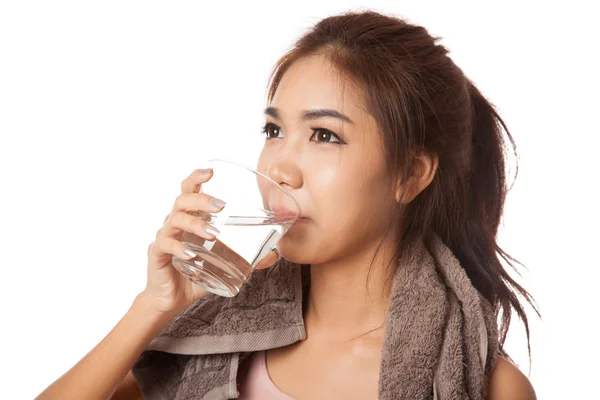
309 115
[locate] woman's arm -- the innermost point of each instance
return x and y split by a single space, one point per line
128 389
106 368
507 382
101 371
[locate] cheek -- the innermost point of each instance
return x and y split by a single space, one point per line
263 161
337 203
348 210
352 206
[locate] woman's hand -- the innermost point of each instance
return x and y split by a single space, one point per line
167 289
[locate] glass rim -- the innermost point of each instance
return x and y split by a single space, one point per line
264 176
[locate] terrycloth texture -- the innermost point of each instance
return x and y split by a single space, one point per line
440 341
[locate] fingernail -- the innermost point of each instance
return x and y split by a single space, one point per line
211 230
217 202
189 253
205 171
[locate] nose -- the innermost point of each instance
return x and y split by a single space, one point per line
285 172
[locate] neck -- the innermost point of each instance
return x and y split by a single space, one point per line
342 305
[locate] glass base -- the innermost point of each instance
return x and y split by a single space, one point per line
211 272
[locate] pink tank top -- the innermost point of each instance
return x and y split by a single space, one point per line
258 385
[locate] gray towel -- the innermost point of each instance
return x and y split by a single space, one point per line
441 337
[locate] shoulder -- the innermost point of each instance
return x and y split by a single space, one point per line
508 382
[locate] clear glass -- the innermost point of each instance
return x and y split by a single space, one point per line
258 212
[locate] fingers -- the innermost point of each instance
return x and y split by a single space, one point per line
167 245
192 183
182 221
197 202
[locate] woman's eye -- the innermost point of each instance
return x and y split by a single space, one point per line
271 130
325 136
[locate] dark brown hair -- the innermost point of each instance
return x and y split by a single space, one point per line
423 102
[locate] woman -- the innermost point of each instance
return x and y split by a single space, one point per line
397 161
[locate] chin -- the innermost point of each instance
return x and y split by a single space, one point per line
293 250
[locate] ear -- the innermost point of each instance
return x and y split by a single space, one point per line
424 171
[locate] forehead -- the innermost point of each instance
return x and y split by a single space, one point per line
313 82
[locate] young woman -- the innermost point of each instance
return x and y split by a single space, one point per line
386 144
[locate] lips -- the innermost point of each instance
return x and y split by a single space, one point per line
283 214
282 211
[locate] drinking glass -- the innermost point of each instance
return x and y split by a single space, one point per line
257 214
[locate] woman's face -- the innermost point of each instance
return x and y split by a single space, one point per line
334 167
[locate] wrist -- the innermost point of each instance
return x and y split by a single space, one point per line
148 307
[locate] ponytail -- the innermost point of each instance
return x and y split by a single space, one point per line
474 241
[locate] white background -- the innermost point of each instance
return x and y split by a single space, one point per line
105 107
